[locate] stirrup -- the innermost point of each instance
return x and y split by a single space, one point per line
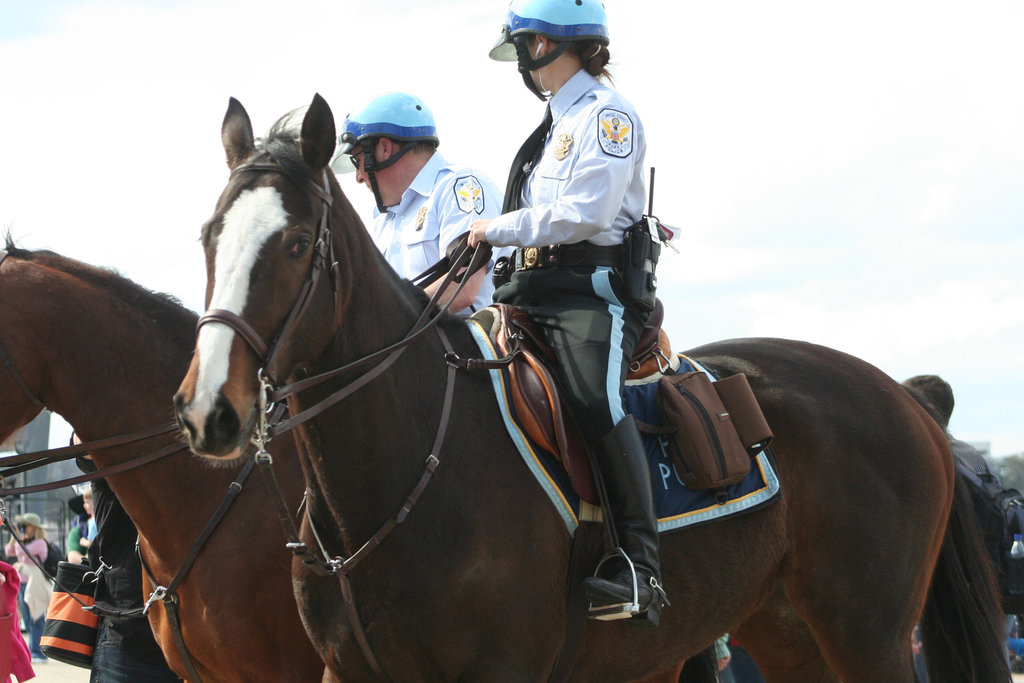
632 609
621 610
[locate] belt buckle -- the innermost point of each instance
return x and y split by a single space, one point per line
531 255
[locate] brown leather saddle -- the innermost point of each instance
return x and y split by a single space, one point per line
534 393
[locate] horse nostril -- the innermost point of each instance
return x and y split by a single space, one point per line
187 426
184 424
222 424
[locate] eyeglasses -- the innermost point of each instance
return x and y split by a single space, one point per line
356 160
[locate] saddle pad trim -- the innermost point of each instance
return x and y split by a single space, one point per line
540 473
735 506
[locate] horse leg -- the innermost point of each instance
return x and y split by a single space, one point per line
782 645
860 588
857 625
786 648
667 676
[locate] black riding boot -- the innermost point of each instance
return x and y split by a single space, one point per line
627 481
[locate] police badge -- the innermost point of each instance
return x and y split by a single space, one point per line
563 147
421 217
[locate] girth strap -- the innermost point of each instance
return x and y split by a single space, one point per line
172 604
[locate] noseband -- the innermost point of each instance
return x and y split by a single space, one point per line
323 260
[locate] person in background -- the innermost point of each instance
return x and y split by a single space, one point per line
939 395
17 661
83 530
423 201
741 665
723 657
126 651
575 190
917 649
34 594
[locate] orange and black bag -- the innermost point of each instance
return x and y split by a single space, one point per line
718 427
69 633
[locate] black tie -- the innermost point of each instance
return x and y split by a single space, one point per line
523 163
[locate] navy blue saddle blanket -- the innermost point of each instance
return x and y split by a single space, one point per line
676 505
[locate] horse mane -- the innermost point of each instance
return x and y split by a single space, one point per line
163 308
281 144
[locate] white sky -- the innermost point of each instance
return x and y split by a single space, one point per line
848 174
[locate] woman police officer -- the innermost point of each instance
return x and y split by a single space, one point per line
567 210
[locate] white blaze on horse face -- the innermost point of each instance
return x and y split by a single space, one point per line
253 217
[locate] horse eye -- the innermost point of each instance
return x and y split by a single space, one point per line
301 246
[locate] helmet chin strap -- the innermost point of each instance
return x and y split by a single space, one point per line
528 63
371 165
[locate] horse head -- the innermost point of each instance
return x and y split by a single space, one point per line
275 294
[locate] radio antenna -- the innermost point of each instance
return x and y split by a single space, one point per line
650 195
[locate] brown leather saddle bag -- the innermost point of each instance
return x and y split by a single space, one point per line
718 427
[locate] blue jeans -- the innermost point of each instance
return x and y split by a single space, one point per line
35 628
114 663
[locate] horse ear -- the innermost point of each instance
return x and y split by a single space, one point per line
236 134
318 135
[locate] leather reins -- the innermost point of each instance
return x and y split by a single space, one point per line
269 396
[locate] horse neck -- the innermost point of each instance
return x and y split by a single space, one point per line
362 458
110 370
389 424
377 307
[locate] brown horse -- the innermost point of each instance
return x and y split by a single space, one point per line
107 355
825 585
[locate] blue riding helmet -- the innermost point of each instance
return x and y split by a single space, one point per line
559 20
398 116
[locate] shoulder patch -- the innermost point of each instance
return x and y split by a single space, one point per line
470 194
615 132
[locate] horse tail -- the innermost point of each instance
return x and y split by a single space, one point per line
962 625
701 668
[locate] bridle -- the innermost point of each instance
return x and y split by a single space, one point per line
270 395
322 261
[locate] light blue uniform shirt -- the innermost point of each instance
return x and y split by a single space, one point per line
589 181
437 207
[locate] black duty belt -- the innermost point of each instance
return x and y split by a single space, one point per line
567 256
